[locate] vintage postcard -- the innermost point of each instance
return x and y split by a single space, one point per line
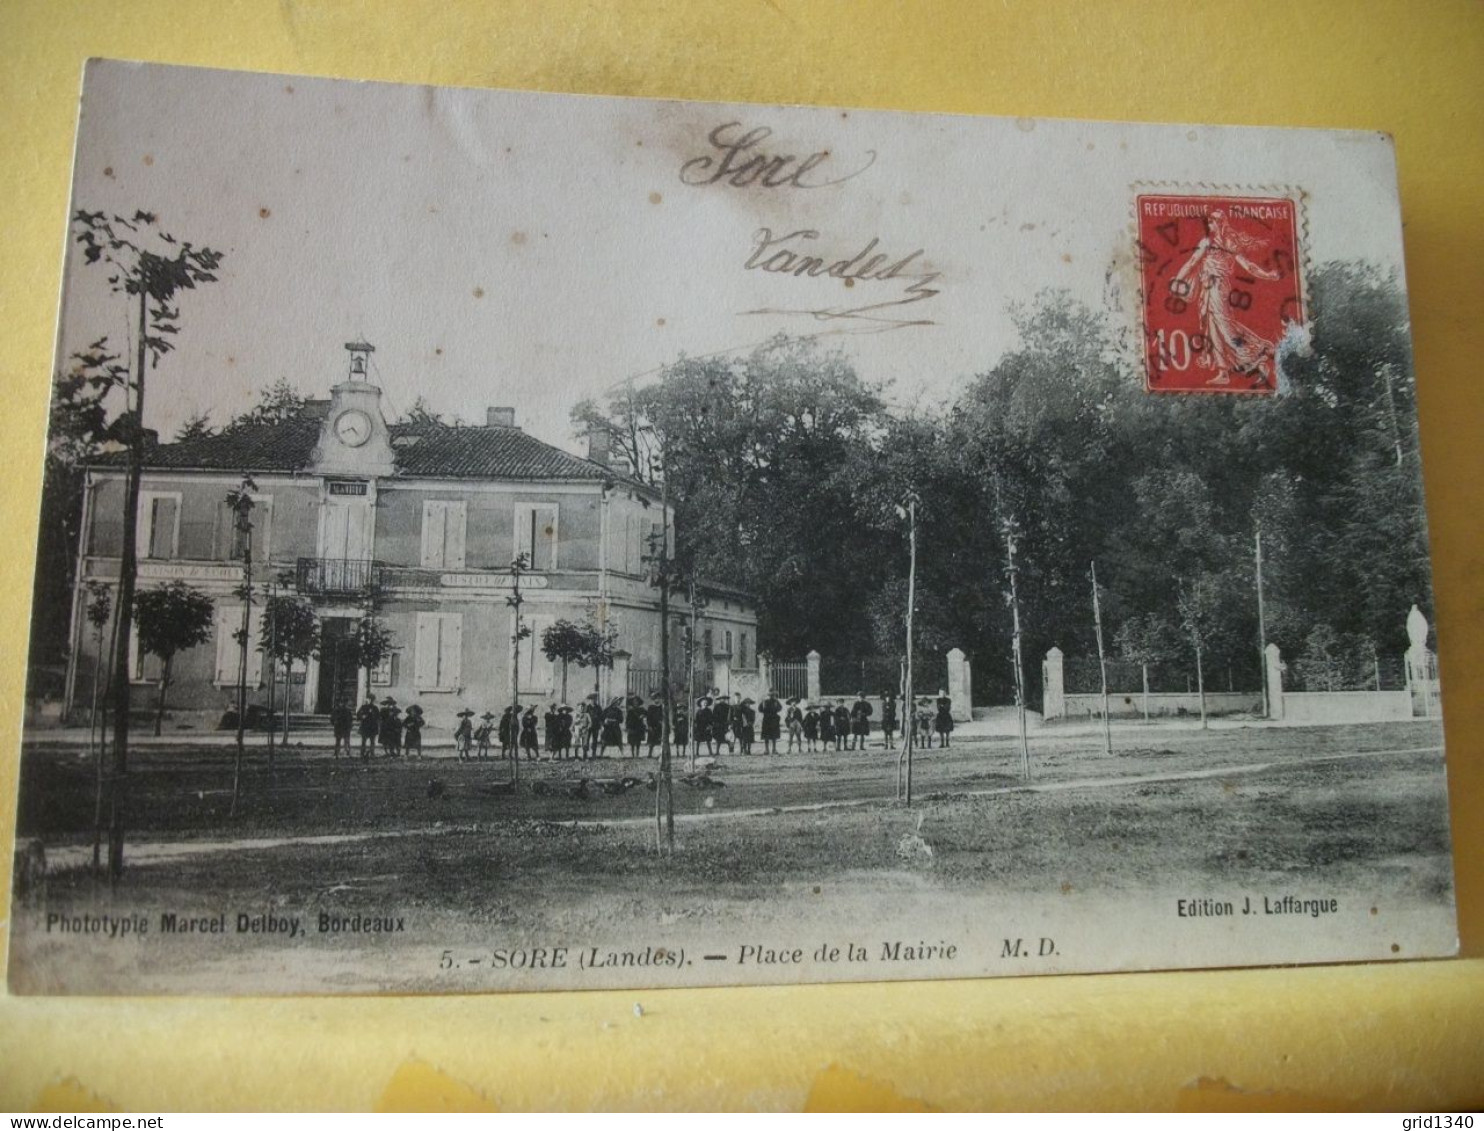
508 541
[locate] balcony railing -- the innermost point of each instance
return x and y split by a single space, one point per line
339 577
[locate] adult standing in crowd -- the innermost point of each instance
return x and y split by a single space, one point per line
944 721
793 720
654 722
860 721
368 719
888 719
703 725
771 710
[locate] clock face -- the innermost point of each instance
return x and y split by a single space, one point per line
353 428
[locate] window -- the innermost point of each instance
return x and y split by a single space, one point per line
158 535
143 667
443 535
536 671
728 639
229 649
708 650
233 539
536 534
384 674
742 651
440 651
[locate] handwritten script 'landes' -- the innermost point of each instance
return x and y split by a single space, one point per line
740 167
781 255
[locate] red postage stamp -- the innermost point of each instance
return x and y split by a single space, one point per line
1221 286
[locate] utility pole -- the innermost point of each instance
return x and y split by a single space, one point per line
1262 631
1097 621
517 633
240 500
908 510
1012 569
664 796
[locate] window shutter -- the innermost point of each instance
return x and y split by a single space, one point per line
435 521
426 660
254 655
455 519
228 620
451 650
162 528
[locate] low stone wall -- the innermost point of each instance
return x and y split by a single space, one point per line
1163 705
1346 706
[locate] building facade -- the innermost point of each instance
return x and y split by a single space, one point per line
426 516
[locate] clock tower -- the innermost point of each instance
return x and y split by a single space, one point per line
354 440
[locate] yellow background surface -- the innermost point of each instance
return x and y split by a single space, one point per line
1404 1036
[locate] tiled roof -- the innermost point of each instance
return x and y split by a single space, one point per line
422 451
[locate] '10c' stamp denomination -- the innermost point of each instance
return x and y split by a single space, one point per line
1220 288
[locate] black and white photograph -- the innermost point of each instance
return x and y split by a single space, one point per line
506 541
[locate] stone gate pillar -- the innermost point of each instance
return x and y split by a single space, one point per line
960 685
1053 685
812 660
1273 675
1419 665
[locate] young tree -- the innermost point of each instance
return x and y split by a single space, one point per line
100 610
240 502
599 641
1145 639
371 643
1199 603
150 269
564 642
170 620
290 635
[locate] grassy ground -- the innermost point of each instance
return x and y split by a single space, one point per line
1250 811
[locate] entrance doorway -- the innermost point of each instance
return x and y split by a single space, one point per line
337 665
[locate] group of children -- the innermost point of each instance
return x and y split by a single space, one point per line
382 725
592 729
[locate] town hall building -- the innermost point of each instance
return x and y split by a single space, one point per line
428 517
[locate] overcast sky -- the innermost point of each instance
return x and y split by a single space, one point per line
503 248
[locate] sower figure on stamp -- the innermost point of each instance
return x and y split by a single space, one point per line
860 721
368 719
1209 277
342 722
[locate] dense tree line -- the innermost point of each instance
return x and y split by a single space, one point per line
786 468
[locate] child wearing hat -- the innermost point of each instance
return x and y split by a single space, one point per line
528 741
811 727
612 732
634 724
463 735
888 719
413 727
482 736
794 721
842 725
860 721
826 727
771 710
654 721
704 725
